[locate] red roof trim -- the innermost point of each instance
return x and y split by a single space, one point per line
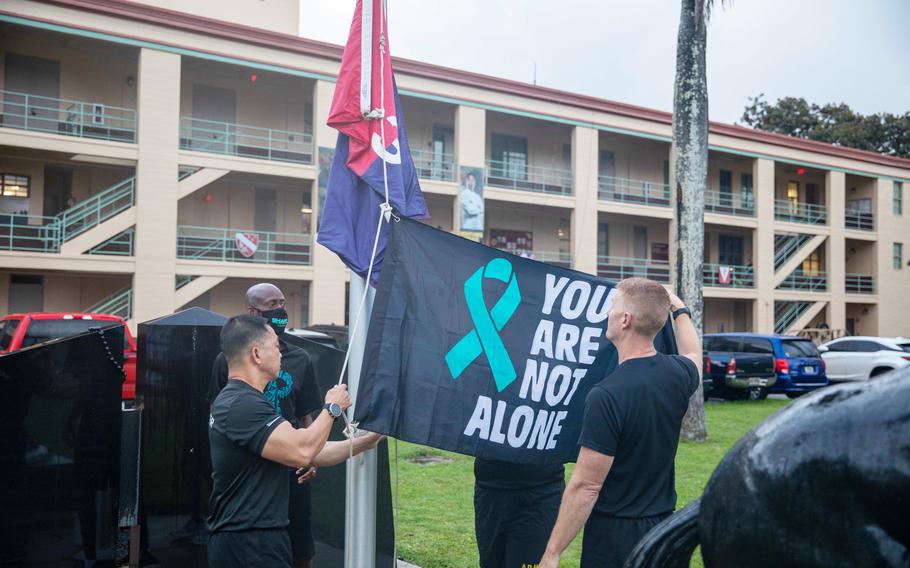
265 38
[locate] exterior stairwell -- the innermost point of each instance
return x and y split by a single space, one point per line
97 219
120 303
789 253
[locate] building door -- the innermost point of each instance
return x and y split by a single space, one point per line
739 316
26 293
726 188
58 188
640 242
214 115
730 249
39 79
265 210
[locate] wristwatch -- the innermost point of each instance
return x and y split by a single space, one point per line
333 408
681 311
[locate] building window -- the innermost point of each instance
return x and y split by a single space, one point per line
745 188
898 254
812 265
793 195
603 239
510 157
726 188
897 202
14 185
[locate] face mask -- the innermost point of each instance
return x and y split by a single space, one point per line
277 319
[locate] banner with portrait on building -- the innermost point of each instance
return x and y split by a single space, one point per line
470 198
481 352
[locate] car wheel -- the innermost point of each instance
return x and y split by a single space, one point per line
879 371
757 393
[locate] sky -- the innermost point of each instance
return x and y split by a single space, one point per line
824 50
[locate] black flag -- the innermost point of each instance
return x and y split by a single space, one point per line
481 352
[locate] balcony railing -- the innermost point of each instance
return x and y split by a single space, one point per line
30 233
785 245
728 275
633 191
119 303
860 284
786 313
806 282
799 212
617 268
860 220
93 211
246 141
431 165
118 245
728 203
69 117
225 245
559 258
538 179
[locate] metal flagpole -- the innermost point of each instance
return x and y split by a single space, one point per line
360 509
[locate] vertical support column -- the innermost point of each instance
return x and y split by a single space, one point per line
330 274
763 245
891 285
835 188
156 184
470 149
4 292
584 182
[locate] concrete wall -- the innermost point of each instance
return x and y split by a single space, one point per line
90 71
66 292
275 15
86 180
420 116
545 140
720 315
272 101
636 159
621 234
543 223
233 205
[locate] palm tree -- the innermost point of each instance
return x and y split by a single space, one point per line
689 154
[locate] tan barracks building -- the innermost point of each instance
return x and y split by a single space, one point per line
153 159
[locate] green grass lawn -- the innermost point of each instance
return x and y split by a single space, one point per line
436 528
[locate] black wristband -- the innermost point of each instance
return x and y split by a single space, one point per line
681 311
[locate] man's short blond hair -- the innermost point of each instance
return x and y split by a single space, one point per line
648 302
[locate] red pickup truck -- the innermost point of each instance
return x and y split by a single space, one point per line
18 331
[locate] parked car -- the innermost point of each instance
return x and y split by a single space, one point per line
18 331
738 365
799 366
317 336
860 358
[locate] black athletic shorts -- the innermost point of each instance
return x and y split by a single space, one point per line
254 548
300 530
609 541
512 526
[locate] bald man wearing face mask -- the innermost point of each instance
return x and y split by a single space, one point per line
295 395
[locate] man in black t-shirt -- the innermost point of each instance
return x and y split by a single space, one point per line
624 481
514 511
252 446
294 394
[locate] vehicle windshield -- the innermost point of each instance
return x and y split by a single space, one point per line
800 348
39 331
7 329
722 344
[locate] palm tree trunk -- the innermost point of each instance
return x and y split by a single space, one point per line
689 154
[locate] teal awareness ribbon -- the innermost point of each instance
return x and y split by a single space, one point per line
484 338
